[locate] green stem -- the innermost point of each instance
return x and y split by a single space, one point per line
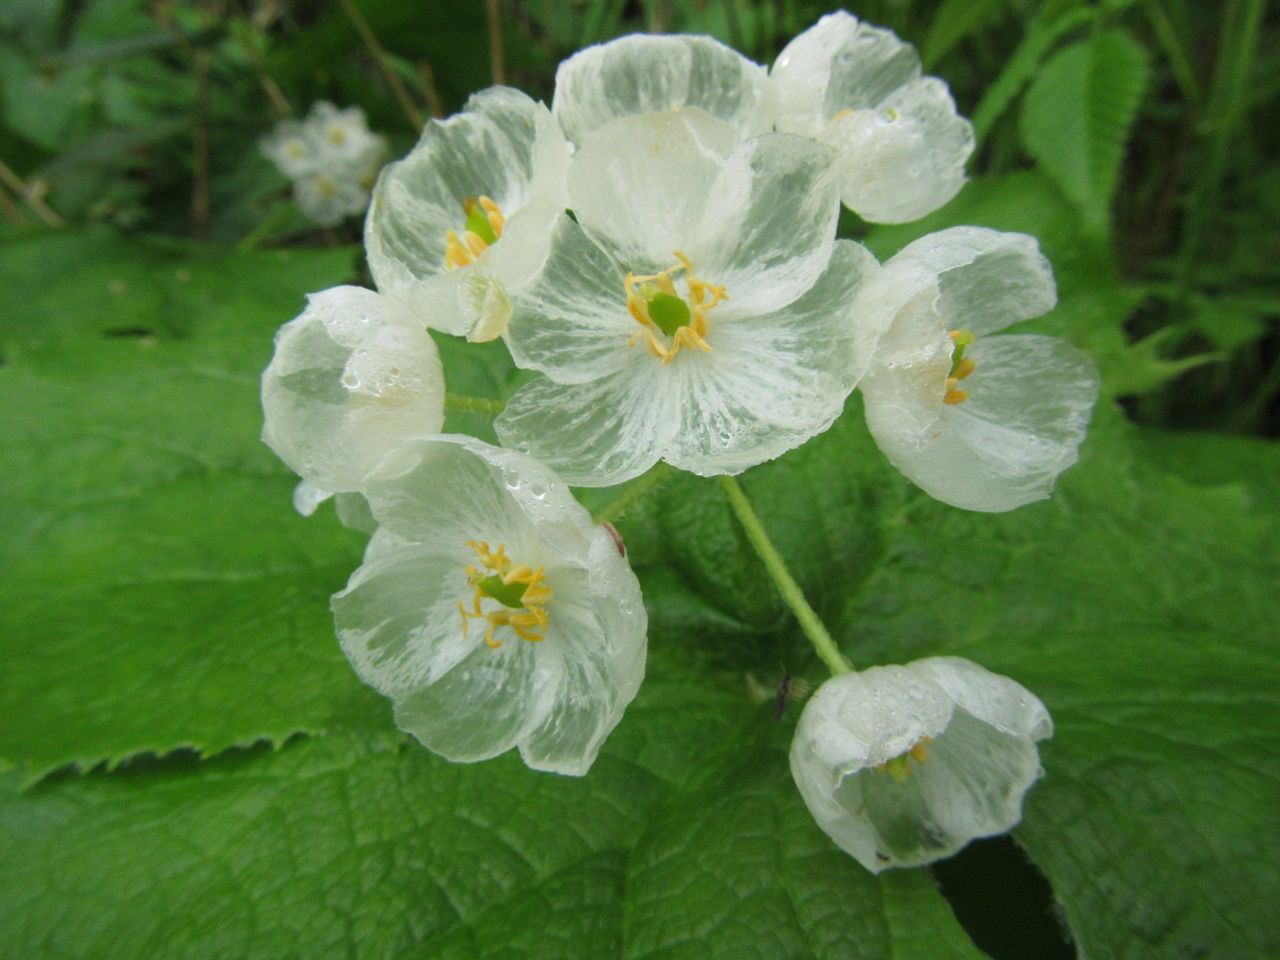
460 401
641 487
787 586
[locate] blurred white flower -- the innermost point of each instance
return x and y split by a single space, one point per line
696 309
904 765
983 423
490 609
462 222
352 376
858 88
331 157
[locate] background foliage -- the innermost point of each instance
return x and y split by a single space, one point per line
194 771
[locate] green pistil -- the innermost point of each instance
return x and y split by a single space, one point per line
478 223
962 339
668 312
899 768
507 594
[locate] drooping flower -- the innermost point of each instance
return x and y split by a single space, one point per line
352 376
902 147
332 159
697 309
904 765
644 74
462 222
983 423
490 609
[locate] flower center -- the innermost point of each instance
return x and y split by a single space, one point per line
669 320
483 228
517 589
961 367
900 767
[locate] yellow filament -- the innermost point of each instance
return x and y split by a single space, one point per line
966 366
528 621
701 298
462 251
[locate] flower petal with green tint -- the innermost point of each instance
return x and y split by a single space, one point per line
997 437
904 765
556 695
838 64
858 88
904 159
504 146
644 74
352 376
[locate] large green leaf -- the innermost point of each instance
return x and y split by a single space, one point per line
1076 117
154 585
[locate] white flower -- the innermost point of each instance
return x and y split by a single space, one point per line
462 222
858 88
698 310
351 377
643 74
904 765
332 159
980 423
490 609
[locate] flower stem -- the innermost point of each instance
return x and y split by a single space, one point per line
633 494
460 401
791 593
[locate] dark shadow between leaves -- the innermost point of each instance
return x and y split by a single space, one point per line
1004 902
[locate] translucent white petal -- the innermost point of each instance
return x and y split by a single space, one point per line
773 381
572 321
400 623
398 617
352 376
905 157
504 146
990 697
642 74
600 433
644 186
968 780
987 279
769 224
599 647
1030 399
837 64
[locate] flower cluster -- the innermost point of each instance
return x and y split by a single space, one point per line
659 250
332 159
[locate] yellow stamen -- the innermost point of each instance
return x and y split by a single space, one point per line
462 251
961 367
702 296
899 767
529 619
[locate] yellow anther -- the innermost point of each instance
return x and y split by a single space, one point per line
899 767
961 367
702 296
523 610
841 115
483 217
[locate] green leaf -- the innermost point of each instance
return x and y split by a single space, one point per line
155 584
954 21
1077 114
330 847
1022 66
